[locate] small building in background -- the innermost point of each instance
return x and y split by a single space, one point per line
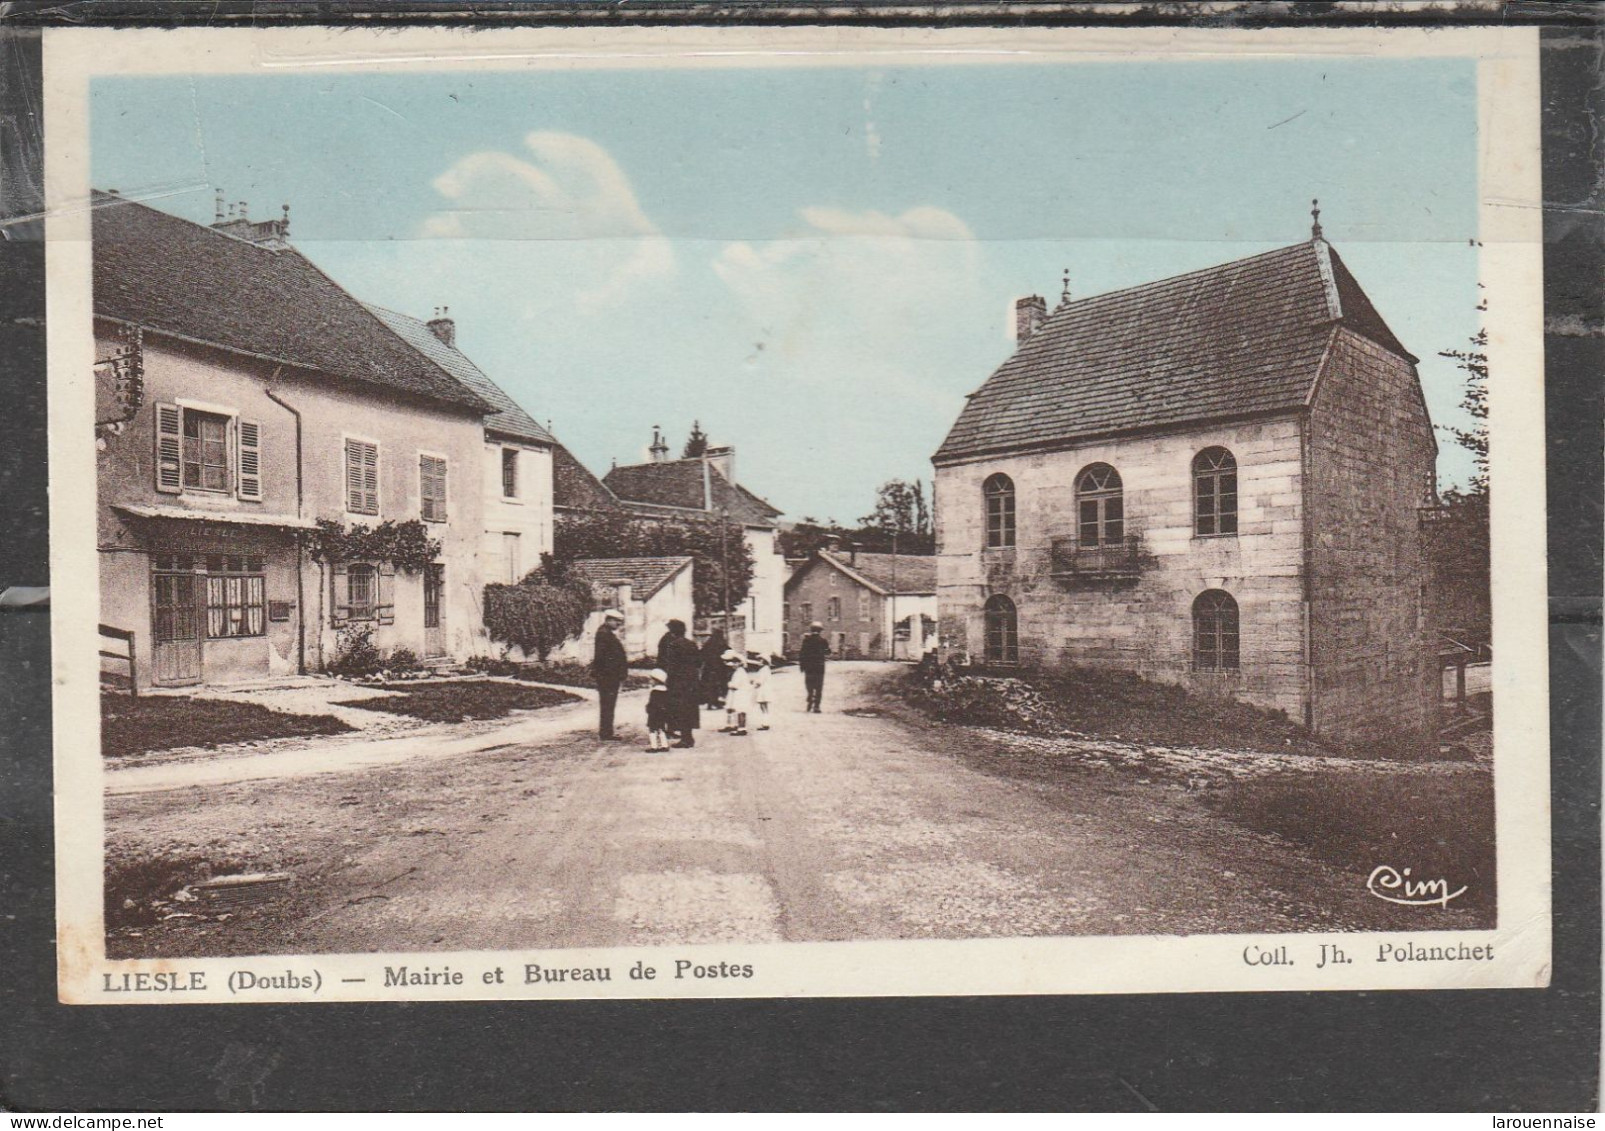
650 592
705 487
872 606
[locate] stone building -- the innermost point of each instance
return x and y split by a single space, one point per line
872 606
241 396
650 592
1212 480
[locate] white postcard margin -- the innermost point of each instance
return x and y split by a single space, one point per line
1511 271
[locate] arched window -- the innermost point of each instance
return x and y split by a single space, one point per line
999 492
1215 632
1002 631
1100 507
1214 492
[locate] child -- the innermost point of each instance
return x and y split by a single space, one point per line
657 711
739 698
758 676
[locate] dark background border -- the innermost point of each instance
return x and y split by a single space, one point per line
1506 1050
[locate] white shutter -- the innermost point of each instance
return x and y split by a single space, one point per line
384 610
169 449
249 452
370 478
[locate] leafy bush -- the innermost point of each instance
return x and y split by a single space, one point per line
355 654
492 665
535 616
402 660
405 545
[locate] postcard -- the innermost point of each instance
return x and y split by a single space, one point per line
742 512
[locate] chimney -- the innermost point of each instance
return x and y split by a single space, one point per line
660 446
238 223
1029 314
852 553
723 460
442 326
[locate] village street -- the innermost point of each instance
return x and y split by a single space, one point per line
852 824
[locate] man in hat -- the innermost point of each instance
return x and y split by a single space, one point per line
609 666
811 659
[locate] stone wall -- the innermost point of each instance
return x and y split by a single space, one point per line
1371 469
1143 624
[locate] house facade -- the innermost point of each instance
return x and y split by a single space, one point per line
872 606
1213 480
517 458
267 399
705 487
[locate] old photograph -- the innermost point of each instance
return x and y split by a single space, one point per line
566 514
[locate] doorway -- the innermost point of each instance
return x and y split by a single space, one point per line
434 618
175 623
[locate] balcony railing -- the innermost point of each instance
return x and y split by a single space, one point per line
1114 560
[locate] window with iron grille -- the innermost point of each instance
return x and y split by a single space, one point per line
1215 632
1002 631
1214 492
432 488
999 493
235 596
1100 507
362 592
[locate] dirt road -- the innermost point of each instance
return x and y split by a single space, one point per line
852 824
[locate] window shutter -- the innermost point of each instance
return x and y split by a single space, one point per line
370 478
169 449
339 608
385 600
353 477
250 460
432 488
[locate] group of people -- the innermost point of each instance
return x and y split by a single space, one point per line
688 678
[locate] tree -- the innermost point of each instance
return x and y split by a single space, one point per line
696 444
1474 362
1456 534
603 534
900 510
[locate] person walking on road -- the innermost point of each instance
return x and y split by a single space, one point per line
811 659
682 664
609 666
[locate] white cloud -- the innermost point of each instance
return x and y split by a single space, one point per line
861 296
569 189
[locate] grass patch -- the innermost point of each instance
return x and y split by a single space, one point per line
1438 826
139 726
1110 704
461 700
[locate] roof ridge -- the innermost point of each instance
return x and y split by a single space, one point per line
1172 280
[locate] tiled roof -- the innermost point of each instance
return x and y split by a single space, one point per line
171 276
915 573
574 487
1243 338
678 484
509 419
645 576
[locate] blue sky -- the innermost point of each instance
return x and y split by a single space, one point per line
815 263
